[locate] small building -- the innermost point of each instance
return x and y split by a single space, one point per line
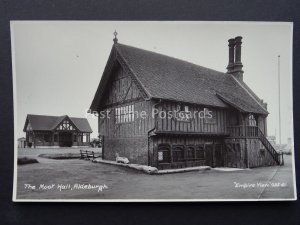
22 142
232 128
56 131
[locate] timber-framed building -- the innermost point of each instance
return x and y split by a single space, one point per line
137 80
56 131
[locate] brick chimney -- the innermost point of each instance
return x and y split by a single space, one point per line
235 64
230 67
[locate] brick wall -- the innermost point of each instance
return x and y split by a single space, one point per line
135 149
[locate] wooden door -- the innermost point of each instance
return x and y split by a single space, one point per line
218 156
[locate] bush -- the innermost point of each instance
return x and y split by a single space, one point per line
25 160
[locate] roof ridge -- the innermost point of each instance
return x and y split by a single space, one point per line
172 57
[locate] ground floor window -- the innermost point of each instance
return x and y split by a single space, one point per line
178 153
200 153
190 152
55 137
164 155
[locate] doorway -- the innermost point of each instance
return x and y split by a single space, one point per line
65 139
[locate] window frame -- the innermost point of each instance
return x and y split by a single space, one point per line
210 121
124 114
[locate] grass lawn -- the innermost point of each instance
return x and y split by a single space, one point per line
125 183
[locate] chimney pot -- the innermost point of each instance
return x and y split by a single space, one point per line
236 68
230 67
238 49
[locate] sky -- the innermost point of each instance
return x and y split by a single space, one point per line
58 64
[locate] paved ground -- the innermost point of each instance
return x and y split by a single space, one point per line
124 183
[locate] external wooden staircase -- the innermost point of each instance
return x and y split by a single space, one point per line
255 132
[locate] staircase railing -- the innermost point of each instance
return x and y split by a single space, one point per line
276 156
254 131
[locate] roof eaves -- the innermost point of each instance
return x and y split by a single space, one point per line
229 102
250 94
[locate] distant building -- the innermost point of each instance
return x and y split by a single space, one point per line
285 148
63 131
272 140
21 142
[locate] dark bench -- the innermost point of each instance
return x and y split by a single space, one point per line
84 154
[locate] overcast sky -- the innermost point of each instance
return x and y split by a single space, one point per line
58 64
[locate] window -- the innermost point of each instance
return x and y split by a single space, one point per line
210 115
65 125
251 120
47 137
84 138
124 114
55 137
178 153
164 153
29 128
200 154
183 113
262 152
190 152
75 138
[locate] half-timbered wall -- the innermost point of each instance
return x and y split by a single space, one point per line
196 124
121 88
139 126
127 138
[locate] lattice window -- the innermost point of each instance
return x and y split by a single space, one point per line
251 120
210 115
124 114
178 153
190 152
183 113
66 125
164 155
200 153
55 137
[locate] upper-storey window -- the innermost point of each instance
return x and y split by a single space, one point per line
65 125
124 114
183 113
210 116
252 120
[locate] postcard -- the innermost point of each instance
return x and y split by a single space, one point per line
153 111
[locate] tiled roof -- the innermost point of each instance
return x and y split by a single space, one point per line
165 77
48 123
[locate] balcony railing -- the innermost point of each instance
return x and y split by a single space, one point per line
243 131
